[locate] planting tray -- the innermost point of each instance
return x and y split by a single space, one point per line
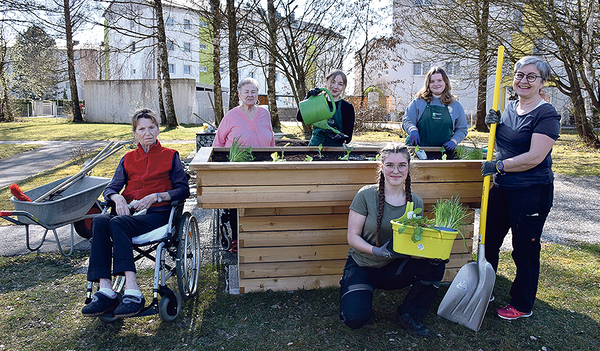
435 243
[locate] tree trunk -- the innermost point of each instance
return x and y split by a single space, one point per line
271 70
71 63
233 54
161 103
585 130
482 35
217 21
5 110
164 60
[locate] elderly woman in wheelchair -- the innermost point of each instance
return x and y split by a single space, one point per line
152 177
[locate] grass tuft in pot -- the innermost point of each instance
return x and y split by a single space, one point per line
450 213
239 153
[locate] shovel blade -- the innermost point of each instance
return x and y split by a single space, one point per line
467 298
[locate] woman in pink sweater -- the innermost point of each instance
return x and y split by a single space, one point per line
248 122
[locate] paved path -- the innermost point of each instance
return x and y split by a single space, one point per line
30 163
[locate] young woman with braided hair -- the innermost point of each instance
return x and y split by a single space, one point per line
371 265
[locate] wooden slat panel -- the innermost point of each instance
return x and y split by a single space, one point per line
288 211
213 202
446 171
267 195
281 223
291 269
294 238
289 283
296 253
468 192
286 177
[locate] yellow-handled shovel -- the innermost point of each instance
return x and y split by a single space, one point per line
468 296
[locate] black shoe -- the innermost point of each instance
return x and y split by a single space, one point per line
412 325
101 304
130 306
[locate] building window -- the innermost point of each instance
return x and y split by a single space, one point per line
186 69
203 69
131 24
133 71
251 74
171 68
251 55
202 46
186 47
202 24
420 68
133 46
186 24
169 22
170 45
452 68
221 70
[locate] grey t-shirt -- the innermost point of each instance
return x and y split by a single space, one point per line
365 203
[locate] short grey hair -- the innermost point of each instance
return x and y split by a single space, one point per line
245 81
144 113
540 65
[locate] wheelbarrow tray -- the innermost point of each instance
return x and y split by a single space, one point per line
69 206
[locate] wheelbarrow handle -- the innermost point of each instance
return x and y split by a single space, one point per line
6 215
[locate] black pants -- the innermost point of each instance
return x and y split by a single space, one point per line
524 211
358 284
111 241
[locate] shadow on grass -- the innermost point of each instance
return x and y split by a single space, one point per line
565 315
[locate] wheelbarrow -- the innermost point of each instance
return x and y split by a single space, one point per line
69 207
71 200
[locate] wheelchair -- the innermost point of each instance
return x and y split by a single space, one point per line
222 232
175 250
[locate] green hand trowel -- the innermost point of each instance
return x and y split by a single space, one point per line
316 112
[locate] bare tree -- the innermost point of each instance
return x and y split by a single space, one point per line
216 23
447 32
305 46
272 65
164 64
565 32
6 114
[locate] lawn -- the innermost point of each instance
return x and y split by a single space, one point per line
41 295
41 311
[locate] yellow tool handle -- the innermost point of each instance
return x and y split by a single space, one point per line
490 151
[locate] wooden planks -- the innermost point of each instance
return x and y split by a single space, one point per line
293 215
286 249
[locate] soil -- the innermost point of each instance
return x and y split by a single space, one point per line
301 156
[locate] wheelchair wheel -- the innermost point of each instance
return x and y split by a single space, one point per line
169 310
188 256
84 226
220 231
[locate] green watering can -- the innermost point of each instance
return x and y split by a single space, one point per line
315 111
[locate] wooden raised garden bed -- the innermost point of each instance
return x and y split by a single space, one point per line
293 215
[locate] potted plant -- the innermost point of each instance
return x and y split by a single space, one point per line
417 235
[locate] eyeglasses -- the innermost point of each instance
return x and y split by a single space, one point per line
390 167
530 77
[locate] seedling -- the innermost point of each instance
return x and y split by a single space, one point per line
319 149
348 151
275 155
419 222
308 159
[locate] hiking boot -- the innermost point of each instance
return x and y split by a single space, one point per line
101 304
510 313
130 306
412 325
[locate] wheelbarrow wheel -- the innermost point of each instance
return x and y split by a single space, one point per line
84 226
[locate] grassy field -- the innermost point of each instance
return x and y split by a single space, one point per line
41 311
41 295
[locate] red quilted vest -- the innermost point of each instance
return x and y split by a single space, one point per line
148 173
